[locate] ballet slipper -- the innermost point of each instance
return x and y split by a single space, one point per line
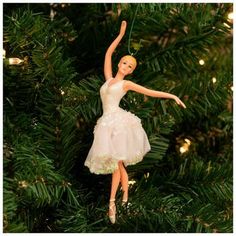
112 211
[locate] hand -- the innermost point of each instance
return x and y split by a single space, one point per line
123 28
179 102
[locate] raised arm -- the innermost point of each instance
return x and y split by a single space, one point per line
128 85
111 49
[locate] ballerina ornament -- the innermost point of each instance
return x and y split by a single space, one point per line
119 138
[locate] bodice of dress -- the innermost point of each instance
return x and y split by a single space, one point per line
111 95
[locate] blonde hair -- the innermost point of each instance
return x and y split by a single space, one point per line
129 57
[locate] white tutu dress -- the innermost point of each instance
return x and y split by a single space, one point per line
118 134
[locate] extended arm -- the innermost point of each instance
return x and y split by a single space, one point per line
111 49
128 85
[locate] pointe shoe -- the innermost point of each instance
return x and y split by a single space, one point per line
124 202
112 211
126 206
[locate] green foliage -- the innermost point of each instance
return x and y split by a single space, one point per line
35 171
52 101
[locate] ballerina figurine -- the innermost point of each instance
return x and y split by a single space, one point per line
119 138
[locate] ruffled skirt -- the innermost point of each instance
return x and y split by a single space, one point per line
118 136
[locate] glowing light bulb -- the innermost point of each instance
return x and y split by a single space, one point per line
23 184
4 53
231 16
131 182
62 92
183 149
146 175
15 61
201 62
187 141
214 80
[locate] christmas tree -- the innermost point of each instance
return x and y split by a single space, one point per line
53 69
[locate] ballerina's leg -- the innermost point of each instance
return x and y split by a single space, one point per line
114 186
124 181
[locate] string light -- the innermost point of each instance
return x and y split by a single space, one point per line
185 147
62 92
131 182
52 12
146 175
214 80
201 62
231 16
15 61
4 53
23 184
230 20
187 141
